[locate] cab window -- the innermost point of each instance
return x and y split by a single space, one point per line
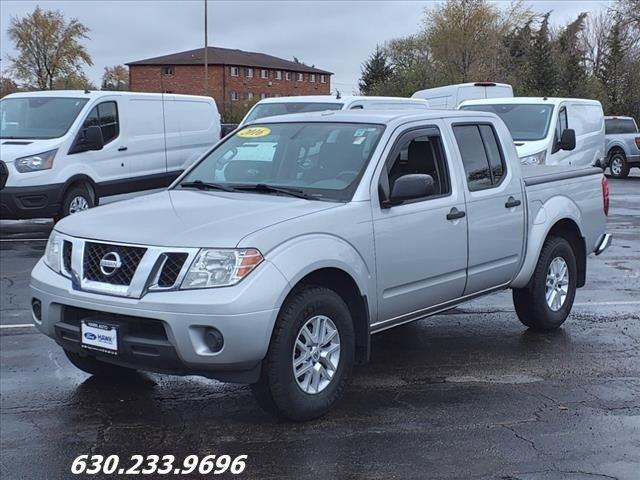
419 152
481 155
105 116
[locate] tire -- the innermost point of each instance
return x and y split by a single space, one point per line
77 198
532 306
618 166
278 390
97 368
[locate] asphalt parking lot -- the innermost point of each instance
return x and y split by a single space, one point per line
470 394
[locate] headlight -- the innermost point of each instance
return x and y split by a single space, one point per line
535 159
221 268
53 252
33 163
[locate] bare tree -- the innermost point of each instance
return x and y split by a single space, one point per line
115 78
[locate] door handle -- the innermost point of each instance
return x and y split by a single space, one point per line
512 202
455 214
122 149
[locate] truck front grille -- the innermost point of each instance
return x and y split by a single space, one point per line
171 269
126 258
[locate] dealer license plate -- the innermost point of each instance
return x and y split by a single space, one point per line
98 336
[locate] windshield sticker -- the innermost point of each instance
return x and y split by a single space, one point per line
359 140
254 132
359 132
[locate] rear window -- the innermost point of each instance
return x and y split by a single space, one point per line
620 125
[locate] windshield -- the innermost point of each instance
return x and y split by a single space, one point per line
262 110
319 160
526 122
38 117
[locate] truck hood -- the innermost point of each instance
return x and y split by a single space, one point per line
10 149
187 218
525 149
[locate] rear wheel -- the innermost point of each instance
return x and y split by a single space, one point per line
546 302
97 368
310 358
618 165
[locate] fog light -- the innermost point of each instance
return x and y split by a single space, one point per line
213 339
36 308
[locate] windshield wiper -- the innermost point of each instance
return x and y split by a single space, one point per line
200 185
263 187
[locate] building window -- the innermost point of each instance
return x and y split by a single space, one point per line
263 96
235 71
287 75
278 75
300 77
323 79
249 95
312 78
168 70
248 72
264 73
235 96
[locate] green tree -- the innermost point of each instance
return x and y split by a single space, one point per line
48 48
571 59
542 71
376 72
115 78
612 73
74 81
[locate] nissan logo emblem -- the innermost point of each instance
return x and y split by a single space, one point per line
110 263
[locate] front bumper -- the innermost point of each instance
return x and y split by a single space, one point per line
164 331
40 201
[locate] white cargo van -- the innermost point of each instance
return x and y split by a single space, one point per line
64 151
450 96
552 131
274 106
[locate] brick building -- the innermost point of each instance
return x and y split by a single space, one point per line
236 79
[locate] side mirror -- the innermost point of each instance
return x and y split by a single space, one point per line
568 139
410 187
93 139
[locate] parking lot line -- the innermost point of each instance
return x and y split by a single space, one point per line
18 325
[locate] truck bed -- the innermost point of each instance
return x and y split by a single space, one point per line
538 174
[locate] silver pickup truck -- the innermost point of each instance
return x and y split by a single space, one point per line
275 257
622 145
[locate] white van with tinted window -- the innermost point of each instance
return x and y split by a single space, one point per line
65 151
275 106
551 131
450 96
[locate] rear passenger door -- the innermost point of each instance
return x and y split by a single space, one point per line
420 248
494 207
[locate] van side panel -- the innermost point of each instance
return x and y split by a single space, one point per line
146 142
198 122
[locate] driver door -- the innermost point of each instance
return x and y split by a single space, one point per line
421 251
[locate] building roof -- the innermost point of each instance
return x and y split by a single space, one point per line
227 56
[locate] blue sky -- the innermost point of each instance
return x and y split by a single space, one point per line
334 35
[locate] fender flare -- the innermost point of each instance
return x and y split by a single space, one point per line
553 211
301 256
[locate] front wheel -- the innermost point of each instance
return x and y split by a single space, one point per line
618 165
77 199
546 302
310 357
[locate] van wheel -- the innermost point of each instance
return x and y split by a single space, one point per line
546 303
77 199
97 368
618 165
310 357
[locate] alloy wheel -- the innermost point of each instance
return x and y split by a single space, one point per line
316 354
557 284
